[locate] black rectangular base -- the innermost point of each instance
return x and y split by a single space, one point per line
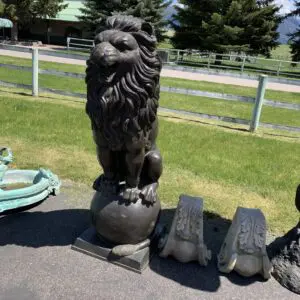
88 243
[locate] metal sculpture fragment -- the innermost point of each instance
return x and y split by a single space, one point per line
285 255
244 248
21 188
185 240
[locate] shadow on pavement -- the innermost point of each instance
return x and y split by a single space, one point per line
191 274
38 229
61 227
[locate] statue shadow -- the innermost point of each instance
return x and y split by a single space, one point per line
42 228
192 274
200 121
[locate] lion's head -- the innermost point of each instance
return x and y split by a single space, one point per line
122 79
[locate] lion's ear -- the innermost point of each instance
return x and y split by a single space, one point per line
147 27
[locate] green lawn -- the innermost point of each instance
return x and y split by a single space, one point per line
227 168
229 89
229 109
165 81
281 52
42 64
178 101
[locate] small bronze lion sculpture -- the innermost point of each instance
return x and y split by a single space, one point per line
122 80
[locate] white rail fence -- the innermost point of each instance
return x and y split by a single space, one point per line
234 62
258 101
75 43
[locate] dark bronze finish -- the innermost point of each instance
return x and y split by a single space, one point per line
122 78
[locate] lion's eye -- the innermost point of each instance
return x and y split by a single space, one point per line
98 39
123 45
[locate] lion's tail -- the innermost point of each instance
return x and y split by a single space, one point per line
129 249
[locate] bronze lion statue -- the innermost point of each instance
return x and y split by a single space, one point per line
122 78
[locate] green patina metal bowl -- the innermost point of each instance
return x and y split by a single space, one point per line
20 188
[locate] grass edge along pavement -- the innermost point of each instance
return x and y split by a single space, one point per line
226 167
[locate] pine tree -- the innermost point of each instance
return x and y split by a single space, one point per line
227 25
95 13
46 9
23 12
187 23
2 7
151 11
295 37
20 13
223 30
260 24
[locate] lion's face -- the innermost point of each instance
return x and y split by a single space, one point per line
122 79
114 53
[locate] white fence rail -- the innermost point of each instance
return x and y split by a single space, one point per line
233 62
75 43
258 101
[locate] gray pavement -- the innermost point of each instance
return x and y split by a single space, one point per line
171 73
37 261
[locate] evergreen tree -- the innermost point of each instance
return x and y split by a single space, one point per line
2 7
187 23
95 12
23 12
227 25
19 12
295 37
46 9
151 11
260 24
223 30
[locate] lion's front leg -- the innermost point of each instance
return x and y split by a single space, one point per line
134 163
109 179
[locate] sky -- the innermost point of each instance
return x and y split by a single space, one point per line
287 5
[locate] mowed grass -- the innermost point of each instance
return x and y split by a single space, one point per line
78 85
282 52
165 81
169 100
178 101
227 168
229 109
230 89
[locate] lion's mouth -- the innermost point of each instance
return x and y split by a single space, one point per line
108 73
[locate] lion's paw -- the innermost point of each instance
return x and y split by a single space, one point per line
149 193
131 194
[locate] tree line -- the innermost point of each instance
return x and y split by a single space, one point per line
23 12
243 26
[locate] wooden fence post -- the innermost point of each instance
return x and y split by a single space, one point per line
35 72
263 79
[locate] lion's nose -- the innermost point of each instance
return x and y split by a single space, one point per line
106 54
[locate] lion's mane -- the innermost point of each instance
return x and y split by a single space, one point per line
129 106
